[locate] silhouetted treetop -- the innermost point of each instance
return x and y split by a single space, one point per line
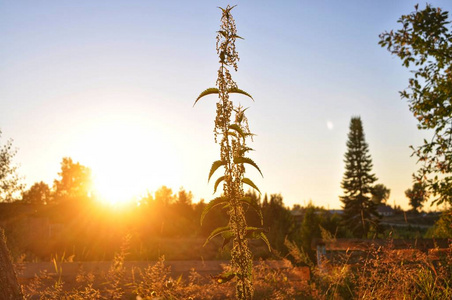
10 184
75 181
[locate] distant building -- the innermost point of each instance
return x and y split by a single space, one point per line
297 216
336 211
385 210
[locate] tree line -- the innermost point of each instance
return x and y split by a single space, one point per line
89 230
70 202
84 227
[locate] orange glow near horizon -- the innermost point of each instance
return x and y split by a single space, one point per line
128 158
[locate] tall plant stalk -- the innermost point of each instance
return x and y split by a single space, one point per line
231 132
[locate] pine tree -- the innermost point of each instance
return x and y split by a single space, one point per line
360 214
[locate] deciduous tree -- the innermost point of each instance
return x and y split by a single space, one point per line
75 181
380 194
164 196
10 187
10 182
278 221
38 193
417 195
424 44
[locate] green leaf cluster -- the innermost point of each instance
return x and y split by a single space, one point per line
424 45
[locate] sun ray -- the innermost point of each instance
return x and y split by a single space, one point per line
128 158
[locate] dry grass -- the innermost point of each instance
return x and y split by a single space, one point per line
383 273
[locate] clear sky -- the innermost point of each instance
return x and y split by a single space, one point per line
112 83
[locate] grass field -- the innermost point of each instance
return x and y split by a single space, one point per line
381 273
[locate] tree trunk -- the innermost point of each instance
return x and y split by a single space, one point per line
9 287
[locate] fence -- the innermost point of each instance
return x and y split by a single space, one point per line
433 247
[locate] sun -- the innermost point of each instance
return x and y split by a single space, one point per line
128 158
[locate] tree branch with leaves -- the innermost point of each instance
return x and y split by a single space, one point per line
424 44
10 182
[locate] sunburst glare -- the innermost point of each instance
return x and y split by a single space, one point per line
128 157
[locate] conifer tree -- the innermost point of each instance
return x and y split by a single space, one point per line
360 214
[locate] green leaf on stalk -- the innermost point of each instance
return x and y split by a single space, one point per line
216 232
238 129
250 183
255 205
242 114
206 92
227 237
263 237
258 233
223 33
246 160
214 202
239 91
233 133
215 166
227 9
210 91
244 150
219 180
224 277
253 232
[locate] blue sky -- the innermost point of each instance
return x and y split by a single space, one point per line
111 84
